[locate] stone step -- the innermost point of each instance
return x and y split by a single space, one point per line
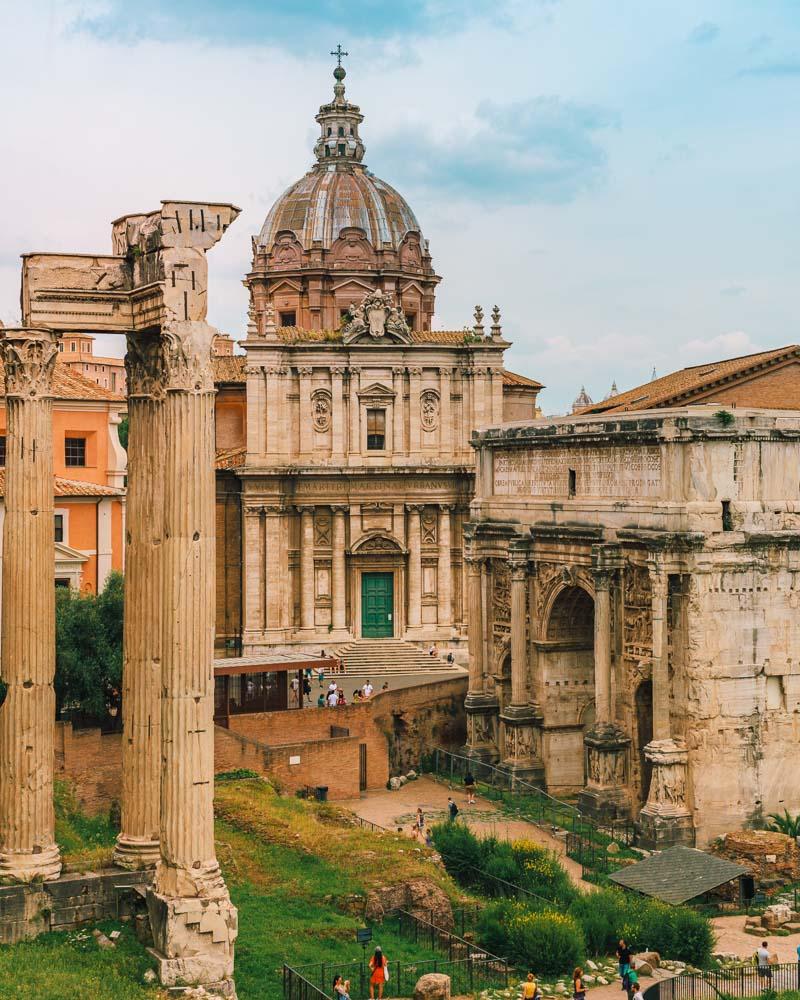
381 656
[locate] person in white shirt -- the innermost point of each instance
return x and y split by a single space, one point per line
762 958
333 698
367 690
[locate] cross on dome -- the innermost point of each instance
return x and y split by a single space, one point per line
339 120
339 52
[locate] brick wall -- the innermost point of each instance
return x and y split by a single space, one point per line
92 762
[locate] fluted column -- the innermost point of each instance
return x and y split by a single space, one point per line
338 619
337 430
602 647
190 910
445 414
138 840
661 726
414 567
27 826
475 624
519 652
304 373
398 442
306 567
445 568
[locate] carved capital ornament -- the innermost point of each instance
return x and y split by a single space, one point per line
29 357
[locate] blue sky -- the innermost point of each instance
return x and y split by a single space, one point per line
621 178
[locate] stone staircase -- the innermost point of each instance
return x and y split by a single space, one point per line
381 657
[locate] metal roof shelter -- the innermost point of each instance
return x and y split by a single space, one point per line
678 874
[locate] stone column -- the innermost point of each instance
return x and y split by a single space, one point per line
444 571
338 620
602 647
415 375
304 374
414 567
481 707
666 819
337 427
306 568
398 443
138 840
28 849
193 921
445 415
522 742
355 415
474 624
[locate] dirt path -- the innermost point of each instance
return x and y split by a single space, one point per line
732 938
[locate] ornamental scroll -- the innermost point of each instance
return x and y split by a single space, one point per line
321 410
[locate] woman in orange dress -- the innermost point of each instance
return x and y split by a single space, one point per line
378 967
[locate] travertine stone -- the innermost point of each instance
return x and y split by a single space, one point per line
414 568
602 647
307 567
138 840
338 569
27 825
445 568
475 624
519 646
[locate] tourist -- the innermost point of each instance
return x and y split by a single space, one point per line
356 696
762 960
321 676
367 690
321 700
529 988
332 687
333 697
434 650
578 987
419 824
340 698
306 687
624 959
469 784
379 969
295 686
631 982
452 810
450 657
341 988
638 992
385 686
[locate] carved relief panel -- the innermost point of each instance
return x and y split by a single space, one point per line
638 614
321 409
429 409
322 529
428 524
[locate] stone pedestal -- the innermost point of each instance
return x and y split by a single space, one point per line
28 849
606 795
482 712
522 744
666 819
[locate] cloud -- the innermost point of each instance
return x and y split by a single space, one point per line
733 291
542 150
703 33
789 66
724 345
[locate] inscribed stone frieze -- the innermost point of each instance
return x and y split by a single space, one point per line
601 472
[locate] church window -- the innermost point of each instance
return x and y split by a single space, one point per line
342 149
75 451
288 318
411 319
341 130
573 482
351 131
72 346
376 430
327 151
59 527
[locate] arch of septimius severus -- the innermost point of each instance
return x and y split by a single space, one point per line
152 289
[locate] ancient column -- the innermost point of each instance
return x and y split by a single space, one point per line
338 619
306 567
337 424
138 840
28 849
355 421
398 443
414 567
444 571
481 707
519 652
254 575
304 373
193 921
445 415
415 375
602 647
660 675
474 624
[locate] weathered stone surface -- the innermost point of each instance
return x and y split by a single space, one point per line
419 896
433 986
753 847
651 958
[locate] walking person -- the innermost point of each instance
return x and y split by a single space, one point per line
469 784
624 959
379 974
762 960
295 686
578 985
452 810
366 691
419 824
333 697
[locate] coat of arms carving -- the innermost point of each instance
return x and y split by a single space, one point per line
376 317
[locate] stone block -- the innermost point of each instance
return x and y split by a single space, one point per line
651 958
433 986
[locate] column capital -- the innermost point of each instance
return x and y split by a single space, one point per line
29 357
337 371
354 370
467 373
273 510
519 570
340 508
144 370
414 508
602 578
446 372
304 508
398 370
415 372
305 370
445 507
186 356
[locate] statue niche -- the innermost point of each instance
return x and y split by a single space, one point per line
286 251
376 318
352 250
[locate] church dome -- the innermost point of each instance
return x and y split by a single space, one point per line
339 193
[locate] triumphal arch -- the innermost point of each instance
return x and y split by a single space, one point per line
633 588
152 289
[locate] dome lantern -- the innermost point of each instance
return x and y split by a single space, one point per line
339 139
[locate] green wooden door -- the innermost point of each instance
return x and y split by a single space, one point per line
377 604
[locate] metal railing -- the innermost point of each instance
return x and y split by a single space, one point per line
297 987
737 981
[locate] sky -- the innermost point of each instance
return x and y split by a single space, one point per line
620 178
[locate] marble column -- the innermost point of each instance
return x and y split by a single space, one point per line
415 417
304 373
306 568
474 624
444 572
138 841
193 921
338 585
521 750
28 849
337 402
355 413
481 707
414 567
398 438
445 415
606 743
666 818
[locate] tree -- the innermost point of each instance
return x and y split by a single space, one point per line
122 432
89 650
786 823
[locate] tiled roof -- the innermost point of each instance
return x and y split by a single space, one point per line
230 458
296 335
678 874
229 368
512 379
72 488
69 384
678 387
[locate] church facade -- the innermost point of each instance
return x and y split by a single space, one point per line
355 472
633 580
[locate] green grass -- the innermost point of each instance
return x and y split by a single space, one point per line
86 842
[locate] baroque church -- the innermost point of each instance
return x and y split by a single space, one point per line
345 465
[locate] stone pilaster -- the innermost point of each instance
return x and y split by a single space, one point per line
606 744
481 707
193 921
138 840
276 571
445 414
521 723
355 413
306 568
414 567
304 373
337 420
339 607
444 571
398 384
415 417
28 849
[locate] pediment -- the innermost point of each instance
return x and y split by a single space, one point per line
286 284
375 391
359 287
411 285
66 554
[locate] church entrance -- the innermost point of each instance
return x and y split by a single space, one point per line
377 605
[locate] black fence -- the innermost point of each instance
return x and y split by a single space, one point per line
738 981
297 987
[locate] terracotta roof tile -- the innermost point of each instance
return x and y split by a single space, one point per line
69 384
678 387
72 488
296 335
230 458
512 379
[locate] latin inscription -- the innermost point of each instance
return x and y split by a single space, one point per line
598 472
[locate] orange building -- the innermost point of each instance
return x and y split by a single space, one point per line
77 352
89 488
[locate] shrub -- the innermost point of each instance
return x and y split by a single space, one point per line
693 936
491 928
460 850
600 915
551 943
542 873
